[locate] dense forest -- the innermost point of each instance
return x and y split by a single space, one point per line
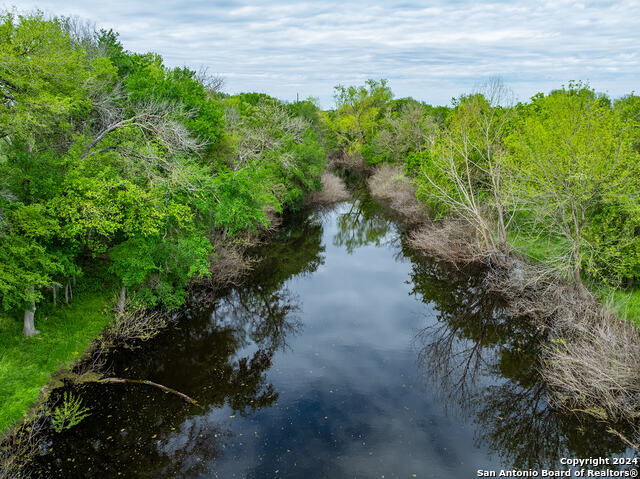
123 182
114 163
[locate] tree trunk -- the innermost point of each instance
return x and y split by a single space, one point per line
630 282
502 230
576 274
29 328
66 292
55 295
122 300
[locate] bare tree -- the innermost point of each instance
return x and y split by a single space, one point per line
270 127
150 134
468 161
82 32
409 130
212 83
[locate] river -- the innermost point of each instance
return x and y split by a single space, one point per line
345 355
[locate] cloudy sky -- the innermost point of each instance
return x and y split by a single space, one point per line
432 51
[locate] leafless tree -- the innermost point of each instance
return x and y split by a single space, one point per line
333 191
269 129
409 130
82 32
212 83
150 134
469 157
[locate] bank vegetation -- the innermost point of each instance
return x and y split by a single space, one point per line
123 183
543 194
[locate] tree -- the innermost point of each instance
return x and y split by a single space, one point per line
405 130
108 156
44 77
26 265
464 171
358 113
572 153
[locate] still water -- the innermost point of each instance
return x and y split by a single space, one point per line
345 355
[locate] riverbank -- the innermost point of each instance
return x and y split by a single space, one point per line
26 364
537 248
337 337
83 331
79 335
591 352
76 336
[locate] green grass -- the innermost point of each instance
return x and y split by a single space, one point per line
537 247
626 303
26 364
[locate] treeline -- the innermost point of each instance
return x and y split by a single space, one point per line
557 177
114 164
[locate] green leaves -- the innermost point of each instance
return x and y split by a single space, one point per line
574 163
358 113
110 156
68 414
156 270
43 76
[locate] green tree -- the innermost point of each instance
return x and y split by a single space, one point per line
26 265
573 154
44 77
359 111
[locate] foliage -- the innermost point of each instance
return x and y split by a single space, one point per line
43 77
70 413
575 164
555 178
358 113
108 156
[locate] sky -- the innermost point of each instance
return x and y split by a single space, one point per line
432 51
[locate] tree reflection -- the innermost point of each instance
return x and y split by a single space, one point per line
219 356
362 225
486 363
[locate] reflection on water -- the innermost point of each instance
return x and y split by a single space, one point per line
345 355
486 363
361 225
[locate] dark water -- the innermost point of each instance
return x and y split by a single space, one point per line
345 356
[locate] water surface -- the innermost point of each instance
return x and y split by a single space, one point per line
344 356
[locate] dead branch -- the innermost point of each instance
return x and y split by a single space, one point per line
389 183
333 191
150 383
451 241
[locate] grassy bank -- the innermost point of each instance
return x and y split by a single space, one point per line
26 364
625 303
588 354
